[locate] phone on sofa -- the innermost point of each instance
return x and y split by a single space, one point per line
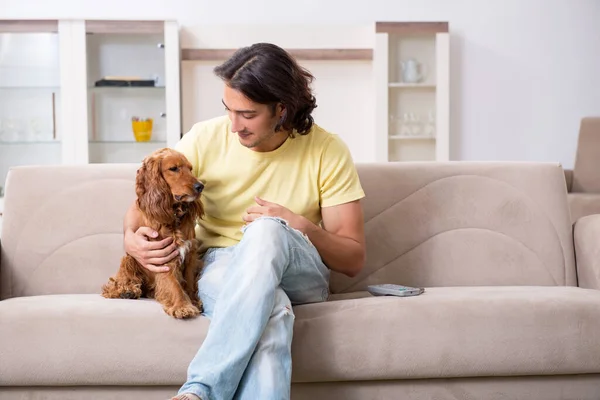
389 289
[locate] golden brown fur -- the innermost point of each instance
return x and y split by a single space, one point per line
169 201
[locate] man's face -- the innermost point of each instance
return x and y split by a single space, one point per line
253 122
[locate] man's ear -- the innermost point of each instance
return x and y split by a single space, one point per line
283 111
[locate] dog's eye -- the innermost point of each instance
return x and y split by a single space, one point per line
174 169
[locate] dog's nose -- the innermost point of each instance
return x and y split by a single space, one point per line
198 187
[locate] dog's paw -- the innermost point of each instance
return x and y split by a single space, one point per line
182 312
109 289
118 290
130 291
198 304
129 295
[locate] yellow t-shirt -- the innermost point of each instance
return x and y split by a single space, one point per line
305 173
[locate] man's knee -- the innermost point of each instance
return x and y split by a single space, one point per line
266 229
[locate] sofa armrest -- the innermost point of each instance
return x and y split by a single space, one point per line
586 236
569 179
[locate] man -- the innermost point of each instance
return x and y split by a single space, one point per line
282 208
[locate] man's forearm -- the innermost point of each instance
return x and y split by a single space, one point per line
339 253
132 218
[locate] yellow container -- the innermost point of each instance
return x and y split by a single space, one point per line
142 129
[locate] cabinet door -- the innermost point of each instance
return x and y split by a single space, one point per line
132 89
30 95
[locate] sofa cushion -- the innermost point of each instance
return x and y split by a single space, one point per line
446 332
450 332
86 339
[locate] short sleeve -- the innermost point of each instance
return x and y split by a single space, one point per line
338 179
190 147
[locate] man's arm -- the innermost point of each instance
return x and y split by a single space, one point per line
341 241
131 222
152 255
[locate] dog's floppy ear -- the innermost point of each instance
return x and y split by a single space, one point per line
154 195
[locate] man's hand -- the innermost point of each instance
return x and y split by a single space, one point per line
152 255
267 209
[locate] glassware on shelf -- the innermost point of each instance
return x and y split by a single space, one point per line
412 71
142 129
35 130
393 125
410 125
416 126
406 125
21 130
430 124
10 131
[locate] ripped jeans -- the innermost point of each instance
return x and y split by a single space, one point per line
248 291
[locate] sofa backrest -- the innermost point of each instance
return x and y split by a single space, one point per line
427 224
587 160
464 223
62 230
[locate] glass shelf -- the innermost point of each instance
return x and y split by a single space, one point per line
151 142
32 142
45 88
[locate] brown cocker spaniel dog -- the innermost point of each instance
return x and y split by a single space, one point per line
168 198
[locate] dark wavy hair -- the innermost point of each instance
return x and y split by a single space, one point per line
267 74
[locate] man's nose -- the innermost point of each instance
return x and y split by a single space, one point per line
236 125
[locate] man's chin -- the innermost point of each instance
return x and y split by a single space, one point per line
247 143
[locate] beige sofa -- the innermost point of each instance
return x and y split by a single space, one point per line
502 316
583 181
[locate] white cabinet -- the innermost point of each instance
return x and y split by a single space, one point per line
52 107
30 95
411 72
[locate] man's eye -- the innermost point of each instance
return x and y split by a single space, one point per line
174 169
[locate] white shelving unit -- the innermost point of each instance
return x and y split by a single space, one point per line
411 72
51 111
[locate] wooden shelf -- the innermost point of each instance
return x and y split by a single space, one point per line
411 85
411 27
300 54
28 26
110 26
402 137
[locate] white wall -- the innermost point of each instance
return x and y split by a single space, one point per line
523 72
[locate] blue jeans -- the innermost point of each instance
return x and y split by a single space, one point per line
248 291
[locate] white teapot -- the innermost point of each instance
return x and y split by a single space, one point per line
410 71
